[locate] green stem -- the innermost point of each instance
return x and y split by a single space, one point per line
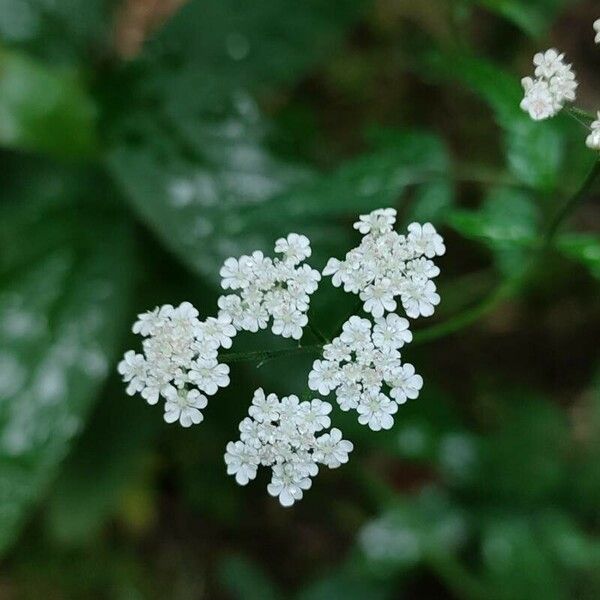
261 356
317 333
456 577
573 110
566 209
510 286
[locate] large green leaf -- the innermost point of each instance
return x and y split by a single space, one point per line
582 247
507 222
516 564
533 16
61 311
43 109
243 199
53 31
208 51
108 458
544 155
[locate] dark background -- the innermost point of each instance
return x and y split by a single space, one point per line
144 141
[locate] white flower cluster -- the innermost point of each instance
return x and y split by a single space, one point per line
180 358
270 288
553 86
597 30
387 264
360 362
593 139
282 434
179 361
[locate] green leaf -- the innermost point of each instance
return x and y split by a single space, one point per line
507 222
537 152
412 530
108 457
55 32
221 48
241 199
583 248
245 581
532 16
525 461
61 311
515 563
351 581
190 192
43 109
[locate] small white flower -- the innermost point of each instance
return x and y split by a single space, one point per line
426 240
391 332
235 273
332 450
315 415
597 30
348 395
379 298
134 370
593 139
376 410
295 247
288 322
217 332
264 408
148 323
379 221
184 406
419 297
285 486
356 331
241 461
406 384
323 377
209 375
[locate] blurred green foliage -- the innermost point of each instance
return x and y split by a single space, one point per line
127 182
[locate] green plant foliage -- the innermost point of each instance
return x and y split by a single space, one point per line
507 222
43 109
537 152
245 581
62 307
582 248
108 458
238 123
533 16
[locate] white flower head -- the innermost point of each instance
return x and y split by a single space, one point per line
276 290
179 362
378 269
553 86
284 435
597 30
363 364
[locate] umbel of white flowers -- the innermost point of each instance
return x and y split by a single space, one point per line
553 86
282 434
180 353
387 265
279 289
